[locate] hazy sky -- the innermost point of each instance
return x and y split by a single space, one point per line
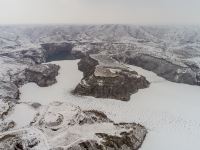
100 11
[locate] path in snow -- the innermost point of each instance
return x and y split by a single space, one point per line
169 110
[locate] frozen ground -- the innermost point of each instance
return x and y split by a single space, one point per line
169 110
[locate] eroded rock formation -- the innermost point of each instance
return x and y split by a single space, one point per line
105 78
43 75
175 72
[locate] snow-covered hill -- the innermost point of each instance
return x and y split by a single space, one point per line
31 117
166 36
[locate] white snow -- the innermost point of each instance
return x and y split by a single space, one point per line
9 66
170 111
22 114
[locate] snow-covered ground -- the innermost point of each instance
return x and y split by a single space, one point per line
170 111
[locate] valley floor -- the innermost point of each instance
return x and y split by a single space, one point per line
169 111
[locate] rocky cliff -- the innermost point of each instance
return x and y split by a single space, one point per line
104 78
166 68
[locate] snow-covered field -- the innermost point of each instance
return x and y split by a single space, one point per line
170 111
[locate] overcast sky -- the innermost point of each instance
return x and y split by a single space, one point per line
100 11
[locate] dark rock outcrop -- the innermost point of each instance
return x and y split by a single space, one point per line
87 65
166 69
125 140
58 51
105 79
93 116
42 75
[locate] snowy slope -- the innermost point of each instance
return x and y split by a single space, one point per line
168 110
162 36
